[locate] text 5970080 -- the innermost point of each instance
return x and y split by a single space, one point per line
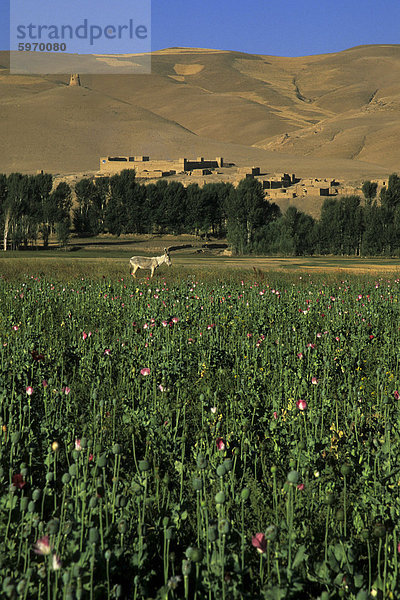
41 47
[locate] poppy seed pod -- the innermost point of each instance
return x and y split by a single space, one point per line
345 469
223 526
94 535
228 463
144 465
221 470
116 449
339 515
102 461
245 494
293 477
379 530
24 504
212 533
196 554
220 498
197 484
201 461
53 526
122 526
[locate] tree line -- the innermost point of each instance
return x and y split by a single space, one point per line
30 206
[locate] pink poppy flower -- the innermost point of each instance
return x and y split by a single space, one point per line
275 414
300 487
84 335
164 323
145 371
78 444
29 390
220 443
175 319
300 355
15 327
396 395
314 380
44 383
18 481
66 390
259 542
301 404
42 546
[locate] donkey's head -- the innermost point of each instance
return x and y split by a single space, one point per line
167 257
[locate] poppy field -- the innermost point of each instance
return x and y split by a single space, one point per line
199 439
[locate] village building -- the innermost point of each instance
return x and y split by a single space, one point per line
276 186
149 168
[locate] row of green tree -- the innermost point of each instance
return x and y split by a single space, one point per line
31 206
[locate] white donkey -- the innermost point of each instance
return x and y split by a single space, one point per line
141 262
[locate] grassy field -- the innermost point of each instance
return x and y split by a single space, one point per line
224 435
114 263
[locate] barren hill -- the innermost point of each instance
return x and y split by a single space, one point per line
330 115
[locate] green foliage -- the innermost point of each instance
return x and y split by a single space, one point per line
153 439
122 205
248 215
369 190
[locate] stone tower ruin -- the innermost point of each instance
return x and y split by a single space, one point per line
75 79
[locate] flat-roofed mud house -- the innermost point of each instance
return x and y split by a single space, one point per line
151 168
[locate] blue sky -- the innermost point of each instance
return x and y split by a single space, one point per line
277 27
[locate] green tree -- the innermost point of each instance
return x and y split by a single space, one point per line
194 203
86 215
173 210
351 219
329 228
152 206
248 215
15 210
369 190
121 189
390 196
373 234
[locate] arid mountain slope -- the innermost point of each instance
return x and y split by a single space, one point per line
335 114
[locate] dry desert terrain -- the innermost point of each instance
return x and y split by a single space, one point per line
333 115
